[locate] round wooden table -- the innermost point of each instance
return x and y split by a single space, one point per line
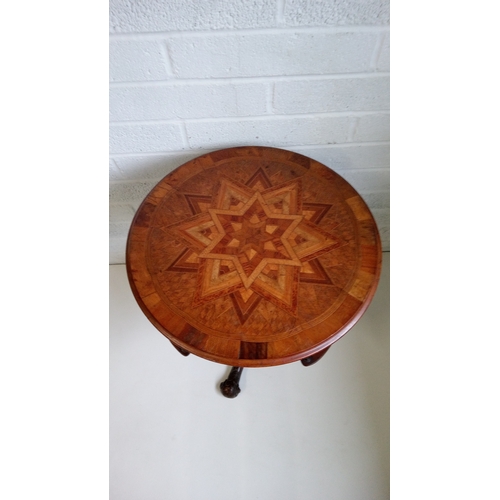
252 257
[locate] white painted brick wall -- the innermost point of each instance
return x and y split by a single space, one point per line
128 16
121 212
187 101
335 12
173 15
152 167
277 132
349 156
383 58
367 180
136 61
125 138
332 94
377 199
277 54
189 77
130 192
372 128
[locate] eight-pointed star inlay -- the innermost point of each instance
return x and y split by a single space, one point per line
253 238
253 242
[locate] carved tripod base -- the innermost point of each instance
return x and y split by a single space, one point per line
230 387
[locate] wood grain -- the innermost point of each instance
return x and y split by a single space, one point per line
253 256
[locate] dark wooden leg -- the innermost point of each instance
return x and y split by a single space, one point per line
230 387
310 360
180 349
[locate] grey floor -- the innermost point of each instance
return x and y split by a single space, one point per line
320 432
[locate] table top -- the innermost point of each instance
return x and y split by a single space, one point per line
253 256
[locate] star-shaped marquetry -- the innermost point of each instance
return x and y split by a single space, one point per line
253 241
253 238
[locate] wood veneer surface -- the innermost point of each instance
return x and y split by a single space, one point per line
253 256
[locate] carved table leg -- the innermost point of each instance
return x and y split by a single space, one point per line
310 360
180 349
230 387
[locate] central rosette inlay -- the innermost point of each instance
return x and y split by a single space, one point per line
252 238
253 241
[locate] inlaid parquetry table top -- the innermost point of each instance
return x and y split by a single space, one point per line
253 256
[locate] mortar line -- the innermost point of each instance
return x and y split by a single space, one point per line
353 127
280 13
376 51
270 98
166 57
246 79
230 119
184 135
148 35
117 166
